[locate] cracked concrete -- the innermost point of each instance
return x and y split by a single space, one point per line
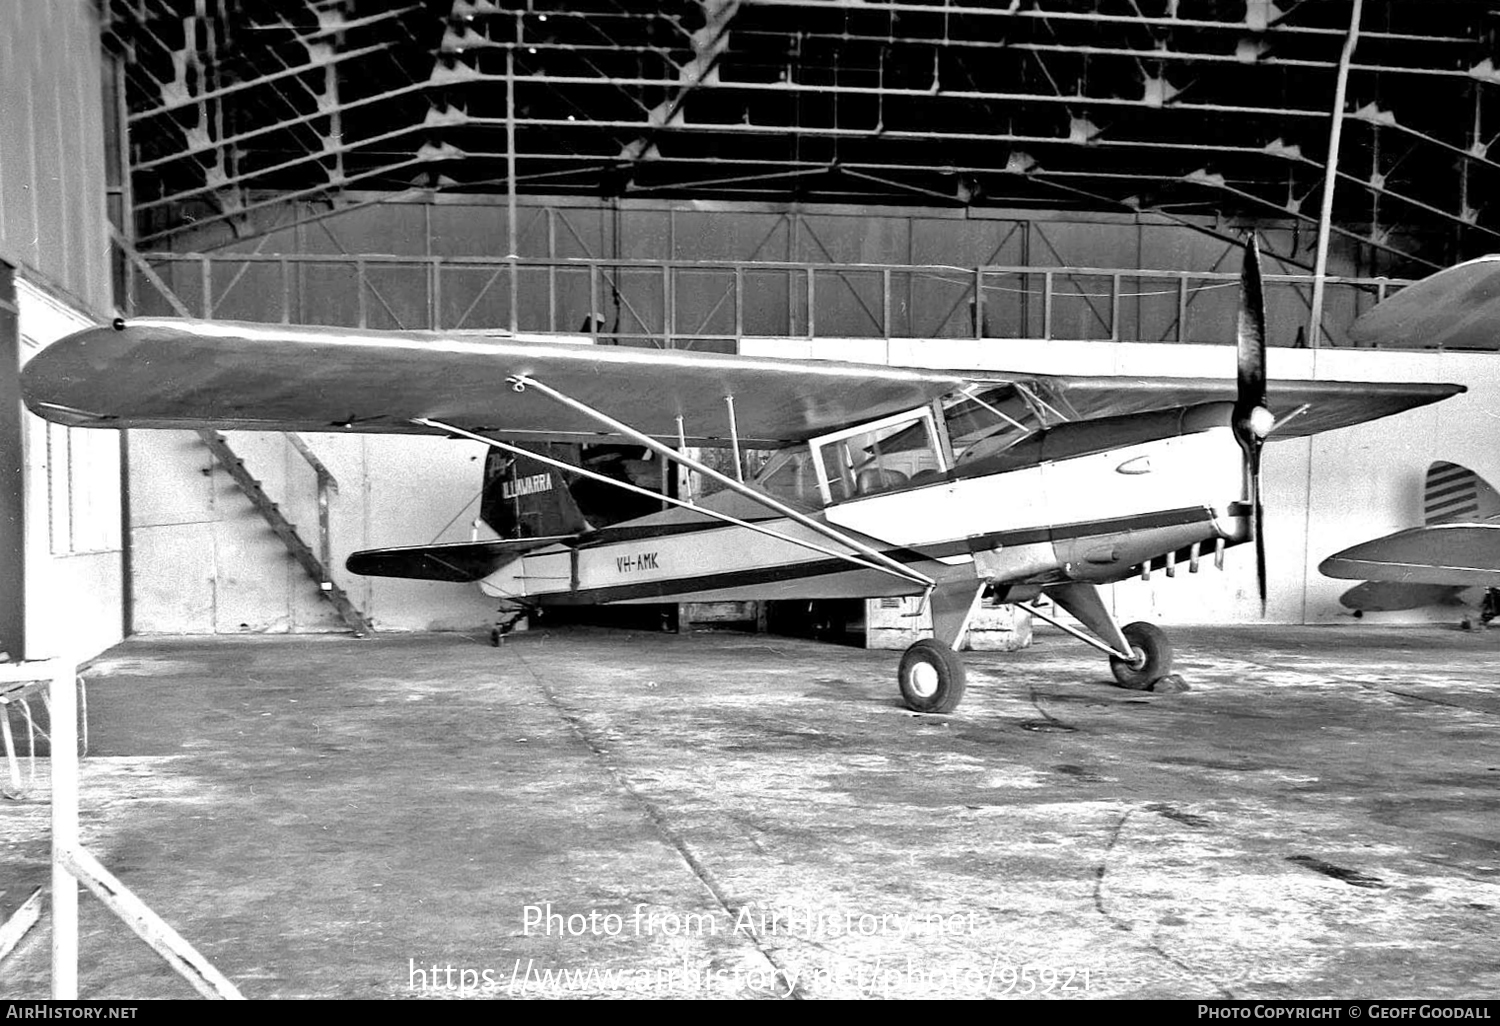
733 815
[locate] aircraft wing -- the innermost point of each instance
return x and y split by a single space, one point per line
1328 404
169 373
1453 553
1456 308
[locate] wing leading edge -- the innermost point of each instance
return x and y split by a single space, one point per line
168 373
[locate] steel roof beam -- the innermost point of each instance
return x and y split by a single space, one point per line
937 92
950 9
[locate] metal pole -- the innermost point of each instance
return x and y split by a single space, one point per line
734 440
1330 177
510 174
64 701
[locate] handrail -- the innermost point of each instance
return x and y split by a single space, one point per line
1376 281
327 485
658 304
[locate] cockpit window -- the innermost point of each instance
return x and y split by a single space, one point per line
989 422
788 475
889 454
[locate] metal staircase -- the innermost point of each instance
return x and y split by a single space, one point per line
317 568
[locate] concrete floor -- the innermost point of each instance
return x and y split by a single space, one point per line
329 817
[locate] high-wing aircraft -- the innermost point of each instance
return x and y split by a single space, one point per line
885 481
1440 563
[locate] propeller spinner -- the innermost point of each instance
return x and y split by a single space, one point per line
1252 420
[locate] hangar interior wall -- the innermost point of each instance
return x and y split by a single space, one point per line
54 230
204 562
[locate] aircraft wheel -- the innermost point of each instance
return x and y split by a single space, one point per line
931 677
1153 659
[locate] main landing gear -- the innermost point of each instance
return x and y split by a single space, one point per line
1489 608
932 676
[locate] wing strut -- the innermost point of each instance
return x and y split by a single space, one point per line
521 382
912 575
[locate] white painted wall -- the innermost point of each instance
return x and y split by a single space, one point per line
74 575
1322 494
205 562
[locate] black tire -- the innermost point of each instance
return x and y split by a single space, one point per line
931 677
1153 657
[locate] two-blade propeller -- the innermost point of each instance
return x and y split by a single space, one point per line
1252 419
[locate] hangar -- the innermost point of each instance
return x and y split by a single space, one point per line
1053 191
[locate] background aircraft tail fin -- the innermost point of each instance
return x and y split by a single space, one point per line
1454 493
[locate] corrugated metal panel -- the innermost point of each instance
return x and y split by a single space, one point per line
52 212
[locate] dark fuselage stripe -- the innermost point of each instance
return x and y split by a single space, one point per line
820 567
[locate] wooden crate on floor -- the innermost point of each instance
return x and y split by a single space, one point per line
894 623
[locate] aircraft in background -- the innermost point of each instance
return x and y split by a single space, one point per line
1441 563
1458 548
885 481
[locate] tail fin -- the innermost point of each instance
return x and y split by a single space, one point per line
526 498
1457 493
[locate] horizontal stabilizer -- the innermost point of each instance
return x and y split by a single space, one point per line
452 561
1390 596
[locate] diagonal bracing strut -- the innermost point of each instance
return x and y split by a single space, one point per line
521 382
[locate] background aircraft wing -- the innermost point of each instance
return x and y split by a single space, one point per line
1457 553
168 373
1456 308
1328 404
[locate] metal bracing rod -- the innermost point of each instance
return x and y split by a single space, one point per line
614 81
887 134
521 383
734 440
301 69
302 119
285 197
952 10
968 394
1307 218
706 53
1381 190
1065 48
261 172
1330 178
1080 635
911 576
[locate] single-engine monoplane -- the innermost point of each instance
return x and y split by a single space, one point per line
884 481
